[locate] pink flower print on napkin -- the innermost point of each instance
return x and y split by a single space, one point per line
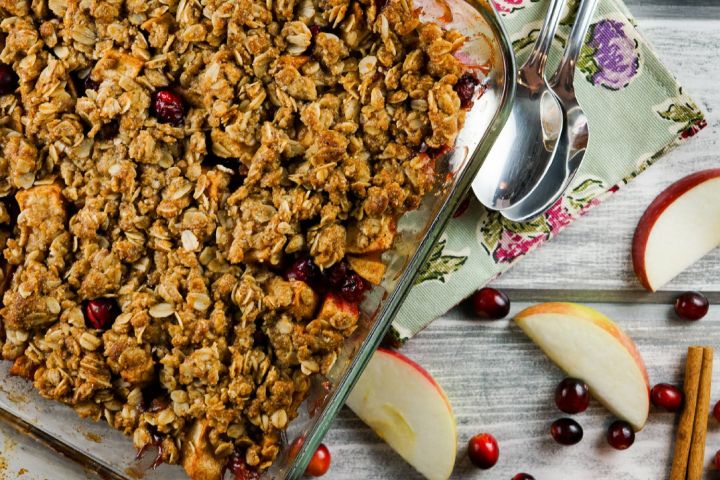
513 245
509 6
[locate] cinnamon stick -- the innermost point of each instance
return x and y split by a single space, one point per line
683 438
696 461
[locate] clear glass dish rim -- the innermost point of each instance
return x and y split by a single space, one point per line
456 195
460 186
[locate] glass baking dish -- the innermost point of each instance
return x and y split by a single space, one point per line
110 454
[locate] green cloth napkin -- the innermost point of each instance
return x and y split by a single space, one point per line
637 112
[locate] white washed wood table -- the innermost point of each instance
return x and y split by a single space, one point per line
495 378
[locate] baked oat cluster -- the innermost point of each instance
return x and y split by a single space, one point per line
194 197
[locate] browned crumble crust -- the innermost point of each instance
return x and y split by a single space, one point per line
301 137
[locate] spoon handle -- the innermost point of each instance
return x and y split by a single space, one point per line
535 64
562 81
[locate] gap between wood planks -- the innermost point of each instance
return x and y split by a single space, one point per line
599 296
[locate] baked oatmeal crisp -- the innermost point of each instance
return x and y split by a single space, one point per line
194 197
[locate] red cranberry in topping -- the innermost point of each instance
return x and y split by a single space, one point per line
620 435
692 306
305 270
354 288
483 451
100 313
717 459
319 463
239 469
716 411
314 30
523 476
667 397
343 280
489 303
465 88
8 79
572 396
335 275
169 107
566 431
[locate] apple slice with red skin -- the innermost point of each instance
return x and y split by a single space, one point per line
588 345
406 407
679 227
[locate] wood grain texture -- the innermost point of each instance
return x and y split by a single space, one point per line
495 378
499 382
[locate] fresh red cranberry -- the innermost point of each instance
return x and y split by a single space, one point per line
572 396
566 431
716 411
8 79
100 313
169 107
465 88
462 207
692 306
620 435
667 397
489 303
319 463
523 476
305 270
483 451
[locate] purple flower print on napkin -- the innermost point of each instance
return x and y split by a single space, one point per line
610 58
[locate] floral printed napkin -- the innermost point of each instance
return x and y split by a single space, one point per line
637 112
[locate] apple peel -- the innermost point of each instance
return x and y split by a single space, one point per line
679 227
588 345
405 406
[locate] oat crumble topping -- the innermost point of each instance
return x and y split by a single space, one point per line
193 197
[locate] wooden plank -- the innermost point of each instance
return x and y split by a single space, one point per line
499 382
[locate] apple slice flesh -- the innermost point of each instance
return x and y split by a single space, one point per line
404 405
679 227
588 345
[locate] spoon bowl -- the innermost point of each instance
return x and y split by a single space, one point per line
523 151
575 133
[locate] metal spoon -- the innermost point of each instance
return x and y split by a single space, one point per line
523 150
574 138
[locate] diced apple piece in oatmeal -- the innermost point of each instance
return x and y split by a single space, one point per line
199 461
304 300
42 216
371 235
338 312
370 267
